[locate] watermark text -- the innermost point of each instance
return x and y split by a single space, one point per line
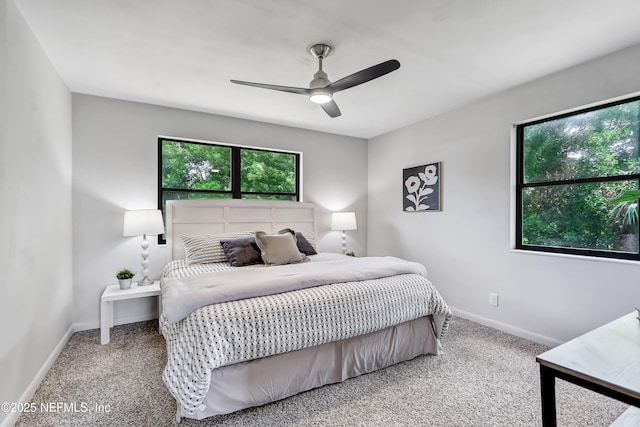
55 407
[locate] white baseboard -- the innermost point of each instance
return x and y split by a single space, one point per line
85 326
35 382
522 333
12 418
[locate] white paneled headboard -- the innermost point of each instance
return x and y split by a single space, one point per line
216 216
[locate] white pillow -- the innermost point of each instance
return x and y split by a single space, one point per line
207 249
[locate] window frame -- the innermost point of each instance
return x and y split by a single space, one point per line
236 172
521 185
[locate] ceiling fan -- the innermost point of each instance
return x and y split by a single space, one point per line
321 90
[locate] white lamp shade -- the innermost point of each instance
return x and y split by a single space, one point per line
137 223
343 221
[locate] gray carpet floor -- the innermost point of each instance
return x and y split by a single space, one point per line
485 378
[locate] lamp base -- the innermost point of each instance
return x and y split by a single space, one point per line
145 263
145 281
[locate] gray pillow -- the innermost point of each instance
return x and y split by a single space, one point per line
242 251
279 249
304 245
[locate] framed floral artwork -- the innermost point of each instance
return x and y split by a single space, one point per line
421 188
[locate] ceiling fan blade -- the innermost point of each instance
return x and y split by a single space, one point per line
365 75
331 108
298 90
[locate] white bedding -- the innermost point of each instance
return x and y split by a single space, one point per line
179 268
181 296
231 332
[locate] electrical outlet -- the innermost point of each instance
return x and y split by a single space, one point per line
493 299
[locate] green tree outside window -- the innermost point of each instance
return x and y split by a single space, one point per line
569 169
193 170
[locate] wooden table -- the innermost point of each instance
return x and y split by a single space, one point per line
605 360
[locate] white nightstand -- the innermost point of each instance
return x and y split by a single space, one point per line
114 293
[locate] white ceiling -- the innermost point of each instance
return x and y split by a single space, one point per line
452 52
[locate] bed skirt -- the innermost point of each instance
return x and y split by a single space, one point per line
260 381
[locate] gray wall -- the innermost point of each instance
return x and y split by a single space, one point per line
467 247
35 224
115 166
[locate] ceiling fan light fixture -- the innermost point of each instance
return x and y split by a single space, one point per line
320 97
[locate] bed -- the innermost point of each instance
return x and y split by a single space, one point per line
245 336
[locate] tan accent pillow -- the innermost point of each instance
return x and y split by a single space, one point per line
279 249
304 246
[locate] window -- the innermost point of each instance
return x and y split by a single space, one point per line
569 168
197 170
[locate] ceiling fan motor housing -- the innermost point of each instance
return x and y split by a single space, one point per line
319 80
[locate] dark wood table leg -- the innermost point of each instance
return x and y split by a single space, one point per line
548 394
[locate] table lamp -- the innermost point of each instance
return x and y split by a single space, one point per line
342 221
141 223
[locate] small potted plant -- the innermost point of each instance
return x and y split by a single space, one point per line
124 277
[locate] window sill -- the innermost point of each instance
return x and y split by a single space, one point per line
576 257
